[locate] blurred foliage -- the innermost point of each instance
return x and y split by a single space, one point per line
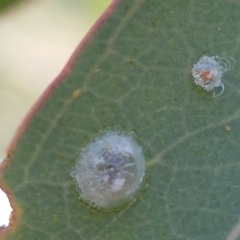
4 4
36 35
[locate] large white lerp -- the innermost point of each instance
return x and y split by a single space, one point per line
110 170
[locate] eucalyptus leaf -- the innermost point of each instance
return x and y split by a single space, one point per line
134 75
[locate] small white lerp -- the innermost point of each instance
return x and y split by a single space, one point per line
110 170
208 72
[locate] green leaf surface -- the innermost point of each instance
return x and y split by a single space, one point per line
134 74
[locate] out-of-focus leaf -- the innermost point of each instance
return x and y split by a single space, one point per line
4 4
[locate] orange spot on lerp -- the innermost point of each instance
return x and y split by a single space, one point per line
206 75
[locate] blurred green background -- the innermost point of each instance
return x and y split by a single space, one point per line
36 40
